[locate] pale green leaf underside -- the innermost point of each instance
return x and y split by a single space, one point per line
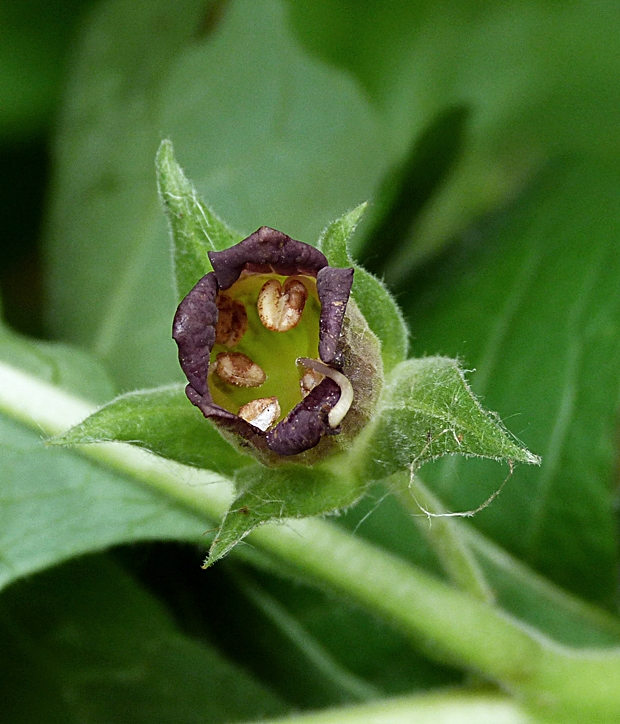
372 296
292 491
194 228
164 422
429 411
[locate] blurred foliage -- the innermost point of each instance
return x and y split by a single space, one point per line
35 46
485 134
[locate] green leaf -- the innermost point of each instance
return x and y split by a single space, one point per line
334 240
247 121
56 505
109 259
34 39
304 669
534 306
161 421
194 228
538 602
536 77
291 491
98 648
67 367
372 296
428 411
366 656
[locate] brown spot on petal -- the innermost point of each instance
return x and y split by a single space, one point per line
236 368
232 321
309 380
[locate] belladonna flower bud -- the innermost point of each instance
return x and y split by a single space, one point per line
275 351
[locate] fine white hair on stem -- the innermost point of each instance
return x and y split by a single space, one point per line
340 409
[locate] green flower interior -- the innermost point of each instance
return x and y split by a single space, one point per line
274 352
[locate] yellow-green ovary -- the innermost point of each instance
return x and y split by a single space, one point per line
275 352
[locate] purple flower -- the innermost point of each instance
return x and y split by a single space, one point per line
263 343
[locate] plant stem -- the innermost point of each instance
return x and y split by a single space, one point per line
443 534
568 684
445 708
559 680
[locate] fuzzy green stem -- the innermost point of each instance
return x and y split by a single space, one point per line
564 684
445 708
443 534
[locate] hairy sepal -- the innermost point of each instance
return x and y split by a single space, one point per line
373 298
290 491
162 421
195 230
428 411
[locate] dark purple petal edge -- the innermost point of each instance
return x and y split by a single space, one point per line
266 250
334 288
306 423
193 330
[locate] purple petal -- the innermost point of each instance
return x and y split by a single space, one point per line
306 423
334 288
226 420
193 330
266 250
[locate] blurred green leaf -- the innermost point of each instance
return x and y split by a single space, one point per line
108 256
245 107
98 648
373 298
535 600
368 647
428 411
55 503
67 367
537 77
518 589
194 228
301 667
164 422
534 305
35 37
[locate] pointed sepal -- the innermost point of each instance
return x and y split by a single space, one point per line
194 229
373 298
428 411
